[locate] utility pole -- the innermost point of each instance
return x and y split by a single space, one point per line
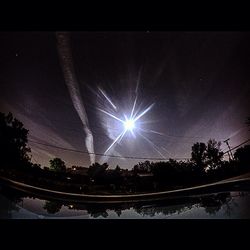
229 149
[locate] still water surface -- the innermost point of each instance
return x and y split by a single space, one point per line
226 205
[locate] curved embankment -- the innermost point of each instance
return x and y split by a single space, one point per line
86 198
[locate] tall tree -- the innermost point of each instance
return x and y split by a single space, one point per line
248 121
57 165
242 156
96 170
213 153
198 155
13 142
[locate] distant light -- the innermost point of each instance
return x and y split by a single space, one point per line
129 125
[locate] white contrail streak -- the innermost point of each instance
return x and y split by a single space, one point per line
237 132
153 145
163 148
152 131
117 138
107 113
144 112
65 54
136 93
131 115
108 99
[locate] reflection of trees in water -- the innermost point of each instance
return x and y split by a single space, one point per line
242 194
165 210
213 203
96 211
7 207
118 211
52 207
9 200
233 203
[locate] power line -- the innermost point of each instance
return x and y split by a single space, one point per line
122 157
99 154
230 154
237 146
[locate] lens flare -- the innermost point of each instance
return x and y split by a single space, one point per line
129 125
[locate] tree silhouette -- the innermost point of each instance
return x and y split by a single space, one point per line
13 142
96 211
198 155
7 207
142 167
242 156
213 203
118 211
52 207
57 165
97 170
117 169
248 121
213 154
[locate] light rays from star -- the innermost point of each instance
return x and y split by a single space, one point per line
129 123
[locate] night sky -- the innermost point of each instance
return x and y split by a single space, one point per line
199 83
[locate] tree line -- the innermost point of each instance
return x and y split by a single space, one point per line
206 164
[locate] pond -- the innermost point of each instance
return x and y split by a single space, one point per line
223 205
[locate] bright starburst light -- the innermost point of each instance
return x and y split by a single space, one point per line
130 123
